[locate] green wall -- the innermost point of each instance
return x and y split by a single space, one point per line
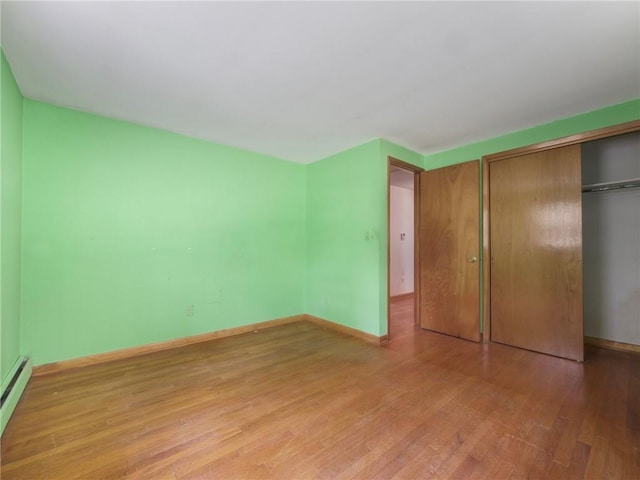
346 235
343 237
10 173
613 115
125 227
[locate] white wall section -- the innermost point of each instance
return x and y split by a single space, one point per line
401 248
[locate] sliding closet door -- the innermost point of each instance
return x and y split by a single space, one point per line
536 252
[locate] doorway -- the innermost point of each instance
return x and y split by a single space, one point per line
402 278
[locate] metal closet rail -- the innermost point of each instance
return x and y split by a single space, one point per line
609 186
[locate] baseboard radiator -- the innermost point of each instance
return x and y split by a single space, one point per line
12 391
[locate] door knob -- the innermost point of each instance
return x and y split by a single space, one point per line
472 259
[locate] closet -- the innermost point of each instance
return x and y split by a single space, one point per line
611 238
561 239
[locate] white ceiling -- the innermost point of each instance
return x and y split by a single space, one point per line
304 80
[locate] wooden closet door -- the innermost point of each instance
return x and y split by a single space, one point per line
449 239
536 252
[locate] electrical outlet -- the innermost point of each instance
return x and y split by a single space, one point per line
190 310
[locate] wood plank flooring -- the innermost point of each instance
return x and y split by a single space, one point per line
298 402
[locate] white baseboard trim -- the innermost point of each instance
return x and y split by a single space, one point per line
13 390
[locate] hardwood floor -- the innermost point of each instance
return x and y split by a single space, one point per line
297 402
401 319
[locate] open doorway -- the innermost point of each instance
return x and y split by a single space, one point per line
402 248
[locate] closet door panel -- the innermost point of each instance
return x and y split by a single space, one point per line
536 252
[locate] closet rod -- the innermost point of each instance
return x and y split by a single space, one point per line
607 186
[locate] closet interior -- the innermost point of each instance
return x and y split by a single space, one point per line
611 238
